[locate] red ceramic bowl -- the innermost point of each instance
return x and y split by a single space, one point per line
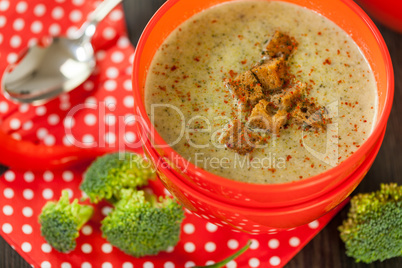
387 12
347 15
259 220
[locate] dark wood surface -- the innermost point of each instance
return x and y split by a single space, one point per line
326 249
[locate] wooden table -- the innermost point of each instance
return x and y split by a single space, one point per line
326 249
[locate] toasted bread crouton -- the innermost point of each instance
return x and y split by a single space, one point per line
279 120
240 139
261 117
309 115
289 97
246 88
280 45
264 116
271 74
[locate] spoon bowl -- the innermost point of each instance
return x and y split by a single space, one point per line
54 65
44 72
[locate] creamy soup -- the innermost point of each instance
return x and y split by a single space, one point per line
189 105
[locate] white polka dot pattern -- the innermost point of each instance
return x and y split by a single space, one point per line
107 248
86 230
7 228
294 241
66 265
189 247
127 265
27 229
26 247
189 228
233 244
45 264
39 10
314 224
86 248
46 248
27 212
86 265
8 193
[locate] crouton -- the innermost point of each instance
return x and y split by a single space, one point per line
264 116
246 88
309 115
289 97
271 74
279 120
261 117
240 139
280 45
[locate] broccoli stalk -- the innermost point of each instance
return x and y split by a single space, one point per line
108 174
228 259
61 221
141 224
373 230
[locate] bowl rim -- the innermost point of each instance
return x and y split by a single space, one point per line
380 124
362 169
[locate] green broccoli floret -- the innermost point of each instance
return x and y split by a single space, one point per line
373 230
142 224
108 174
61 221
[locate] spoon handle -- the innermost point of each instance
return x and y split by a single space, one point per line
87 30
102 10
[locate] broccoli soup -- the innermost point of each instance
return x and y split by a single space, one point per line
261 92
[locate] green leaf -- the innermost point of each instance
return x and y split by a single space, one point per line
228 259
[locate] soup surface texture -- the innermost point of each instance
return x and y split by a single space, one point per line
188 103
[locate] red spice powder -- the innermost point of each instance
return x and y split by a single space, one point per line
327 61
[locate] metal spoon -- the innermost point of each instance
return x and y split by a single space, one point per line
46 71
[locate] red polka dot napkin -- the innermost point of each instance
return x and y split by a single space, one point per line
99 112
